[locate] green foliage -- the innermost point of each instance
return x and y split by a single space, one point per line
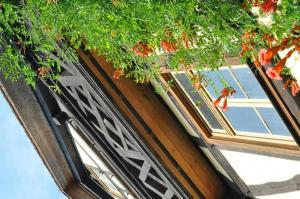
286 16
113 28
12 62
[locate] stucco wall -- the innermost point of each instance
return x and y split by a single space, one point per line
266 175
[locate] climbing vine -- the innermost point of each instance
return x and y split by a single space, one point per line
136 35
132 34
275 40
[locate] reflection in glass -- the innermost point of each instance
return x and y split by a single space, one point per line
197 99
274 122
245 119
249 83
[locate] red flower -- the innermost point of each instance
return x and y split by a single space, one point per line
269 6
224 94
141 49
273 51
263 58
168 46
274 72
117 73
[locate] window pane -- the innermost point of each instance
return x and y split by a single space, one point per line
245 119
196 98
249 83
216 76
274 122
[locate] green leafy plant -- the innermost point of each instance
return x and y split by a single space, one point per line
276 38
132 34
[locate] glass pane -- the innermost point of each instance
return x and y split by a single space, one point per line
274 122
196 98
216 78
245 119
249 83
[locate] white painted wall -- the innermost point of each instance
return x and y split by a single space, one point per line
259 169
290 195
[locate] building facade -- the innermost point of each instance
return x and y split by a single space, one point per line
106 138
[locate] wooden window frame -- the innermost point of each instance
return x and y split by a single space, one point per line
227 139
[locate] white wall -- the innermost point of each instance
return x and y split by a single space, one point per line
259 169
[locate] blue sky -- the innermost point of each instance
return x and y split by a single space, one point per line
22 172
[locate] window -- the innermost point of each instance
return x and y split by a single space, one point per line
250 114
98 169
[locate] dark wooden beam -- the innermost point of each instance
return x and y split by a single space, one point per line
31 116
37 125
159 128
288 106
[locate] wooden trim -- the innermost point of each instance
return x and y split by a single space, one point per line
78 190
40 116
186 106
230 61
257 149
190 112
91 142
37 126
285 144
159 128
29 113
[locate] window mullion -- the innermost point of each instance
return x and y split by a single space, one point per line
238 83
263 121
219 116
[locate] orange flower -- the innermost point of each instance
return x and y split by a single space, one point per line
197 81
273 51
117 73
274 72
168 46
185 40
257 63
224 95
142 49
263 58
197 85
43 71
246 35
245 48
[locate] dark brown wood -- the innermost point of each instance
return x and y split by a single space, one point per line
187 108
33 119
287 105
159 128
230 61
30 115
78 190
257 149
